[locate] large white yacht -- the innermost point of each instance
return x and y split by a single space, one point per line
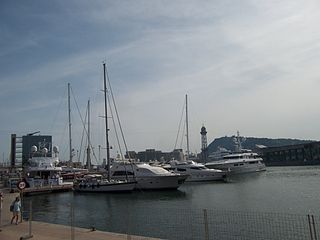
43 170
147 177
244 162
197 172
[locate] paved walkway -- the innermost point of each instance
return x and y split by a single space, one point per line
47 231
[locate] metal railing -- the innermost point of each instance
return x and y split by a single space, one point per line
206 224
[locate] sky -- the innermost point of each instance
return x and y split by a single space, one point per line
250 65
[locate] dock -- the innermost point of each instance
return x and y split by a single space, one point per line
48 189
49 231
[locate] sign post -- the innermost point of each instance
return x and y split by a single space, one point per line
21 185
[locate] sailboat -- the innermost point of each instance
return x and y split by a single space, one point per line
97 182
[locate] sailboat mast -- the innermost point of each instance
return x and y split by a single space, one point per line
106 120
89 143
187 127
69 114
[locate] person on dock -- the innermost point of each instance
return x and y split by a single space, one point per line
16 210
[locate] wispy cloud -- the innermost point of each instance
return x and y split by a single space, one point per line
250 66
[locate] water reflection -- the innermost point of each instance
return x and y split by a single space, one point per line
289 190
245 177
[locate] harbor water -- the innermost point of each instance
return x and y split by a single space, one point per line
279 190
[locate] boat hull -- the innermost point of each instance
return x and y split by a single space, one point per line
238 169
217 176
156 182
105 187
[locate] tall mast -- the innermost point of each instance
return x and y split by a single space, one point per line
89 143
106 119
69 114
187 127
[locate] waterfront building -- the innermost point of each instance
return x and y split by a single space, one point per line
20 147
292 155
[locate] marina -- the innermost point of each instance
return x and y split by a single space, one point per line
277 202
122 120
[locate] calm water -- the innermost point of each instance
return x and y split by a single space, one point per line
294 190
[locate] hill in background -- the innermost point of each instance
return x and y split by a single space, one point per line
251 142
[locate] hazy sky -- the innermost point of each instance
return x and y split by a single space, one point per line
250 65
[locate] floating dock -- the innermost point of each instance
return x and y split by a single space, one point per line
48 189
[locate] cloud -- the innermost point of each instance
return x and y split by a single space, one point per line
249 66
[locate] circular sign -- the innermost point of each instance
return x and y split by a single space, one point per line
21 185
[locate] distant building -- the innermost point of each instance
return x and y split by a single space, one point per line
292 155
40 141
21 147
177 154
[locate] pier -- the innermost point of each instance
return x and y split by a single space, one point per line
48 189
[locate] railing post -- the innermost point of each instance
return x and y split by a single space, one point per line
72 216
310 227
314 228
30 224
206 227
30 218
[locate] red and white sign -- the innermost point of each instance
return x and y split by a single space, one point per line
21 185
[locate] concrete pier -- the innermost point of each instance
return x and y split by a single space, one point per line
48 231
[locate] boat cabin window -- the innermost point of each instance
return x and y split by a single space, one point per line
253 162
198 168
236 164
232 157
122 173
181 169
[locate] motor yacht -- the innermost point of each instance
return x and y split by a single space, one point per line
43 170
147 177
244 162
197 172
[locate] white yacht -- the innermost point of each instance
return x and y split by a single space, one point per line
244 162
197 172
42 170
147 177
